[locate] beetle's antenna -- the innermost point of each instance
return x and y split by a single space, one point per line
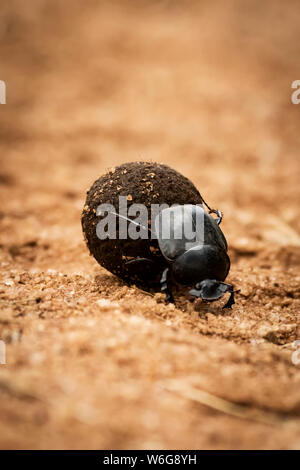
132 221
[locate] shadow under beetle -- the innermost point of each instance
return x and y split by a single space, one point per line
200 259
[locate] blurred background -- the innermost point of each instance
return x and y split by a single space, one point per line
204 87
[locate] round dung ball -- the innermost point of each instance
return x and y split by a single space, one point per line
137 261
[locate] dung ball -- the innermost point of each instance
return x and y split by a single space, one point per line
137 261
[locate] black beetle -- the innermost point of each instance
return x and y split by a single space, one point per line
199 260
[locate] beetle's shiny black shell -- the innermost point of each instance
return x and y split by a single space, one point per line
193 259
196 265
205 230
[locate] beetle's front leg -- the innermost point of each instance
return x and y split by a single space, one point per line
231 300
165 285
211 290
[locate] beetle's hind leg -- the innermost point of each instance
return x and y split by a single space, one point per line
165 285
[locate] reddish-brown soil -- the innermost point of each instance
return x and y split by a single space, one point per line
92 363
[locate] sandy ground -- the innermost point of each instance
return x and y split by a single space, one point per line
92 363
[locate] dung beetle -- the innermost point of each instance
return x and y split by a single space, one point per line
200 259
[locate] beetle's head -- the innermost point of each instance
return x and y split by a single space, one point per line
211 290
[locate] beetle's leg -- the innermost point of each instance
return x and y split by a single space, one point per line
214 211
231 300
138 260
165 285
219 214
